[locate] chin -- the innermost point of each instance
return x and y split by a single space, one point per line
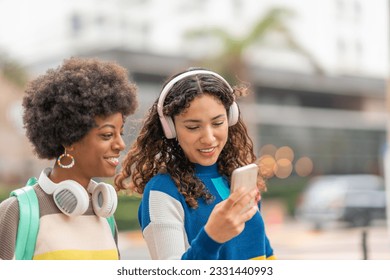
207 162
112 174
108 174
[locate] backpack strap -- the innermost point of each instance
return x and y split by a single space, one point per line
111 222
28 221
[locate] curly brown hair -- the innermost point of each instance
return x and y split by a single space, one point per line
152 152
60 106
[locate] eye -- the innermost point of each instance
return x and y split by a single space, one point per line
192 127
219 123
106 136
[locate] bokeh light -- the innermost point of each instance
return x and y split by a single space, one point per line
283 168
284 152
267 165
268 149
304 166
279 162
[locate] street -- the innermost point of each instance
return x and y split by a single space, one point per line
297 241
292 240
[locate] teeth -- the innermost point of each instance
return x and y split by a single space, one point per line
113 160
206 150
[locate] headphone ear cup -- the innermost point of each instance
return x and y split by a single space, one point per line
104 200
168 127
234 113
71 198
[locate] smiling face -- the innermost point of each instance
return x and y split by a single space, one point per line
202 130
97 153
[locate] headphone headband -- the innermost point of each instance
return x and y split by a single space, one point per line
167 123
172 82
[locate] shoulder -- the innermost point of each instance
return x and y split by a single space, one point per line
10 210
161 178
9 207
9 219
162 182
161 189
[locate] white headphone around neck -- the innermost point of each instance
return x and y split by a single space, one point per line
167 122
73 200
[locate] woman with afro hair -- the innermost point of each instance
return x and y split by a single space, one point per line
74 114
182 161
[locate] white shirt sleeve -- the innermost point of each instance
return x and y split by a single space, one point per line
165 235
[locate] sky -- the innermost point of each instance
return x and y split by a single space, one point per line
20 28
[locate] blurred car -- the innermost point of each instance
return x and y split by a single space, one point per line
356 199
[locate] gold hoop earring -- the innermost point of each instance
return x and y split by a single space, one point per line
65 154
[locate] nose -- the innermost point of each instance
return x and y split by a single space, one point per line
207 136
119 143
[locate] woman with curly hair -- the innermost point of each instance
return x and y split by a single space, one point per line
191 141
74 114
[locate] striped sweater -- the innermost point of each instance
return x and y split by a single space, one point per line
60 237
173 230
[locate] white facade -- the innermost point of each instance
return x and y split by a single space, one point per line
347 37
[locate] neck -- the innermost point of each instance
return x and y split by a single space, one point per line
59 174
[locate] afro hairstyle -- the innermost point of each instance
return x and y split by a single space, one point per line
60 106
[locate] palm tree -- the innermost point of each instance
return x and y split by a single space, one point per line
230 62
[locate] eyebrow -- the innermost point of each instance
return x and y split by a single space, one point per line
108 125
197 121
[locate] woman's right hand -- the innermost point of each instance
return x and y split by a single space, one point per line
228 217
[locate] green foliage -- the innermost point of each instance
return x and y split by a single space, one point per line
4 193
126 215
13 71
273 20
287 190
230 61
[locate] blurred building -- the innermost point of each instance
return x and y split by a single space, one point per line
17 161
335 119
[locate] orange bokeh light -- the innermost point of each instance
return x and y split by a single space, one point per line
285 152
304 166
283 168
267 165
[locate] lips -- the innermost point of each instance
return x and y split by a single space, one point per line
207 151
114 161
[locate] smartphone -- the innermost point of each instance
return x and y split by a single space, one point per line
245 176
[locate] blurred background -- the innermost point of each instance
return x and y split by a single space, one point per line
318 73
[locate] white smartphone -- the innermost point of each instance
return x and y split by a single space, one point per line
245 176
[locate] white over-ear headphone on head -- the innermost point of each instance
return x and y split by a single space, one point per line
167 122
73 200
